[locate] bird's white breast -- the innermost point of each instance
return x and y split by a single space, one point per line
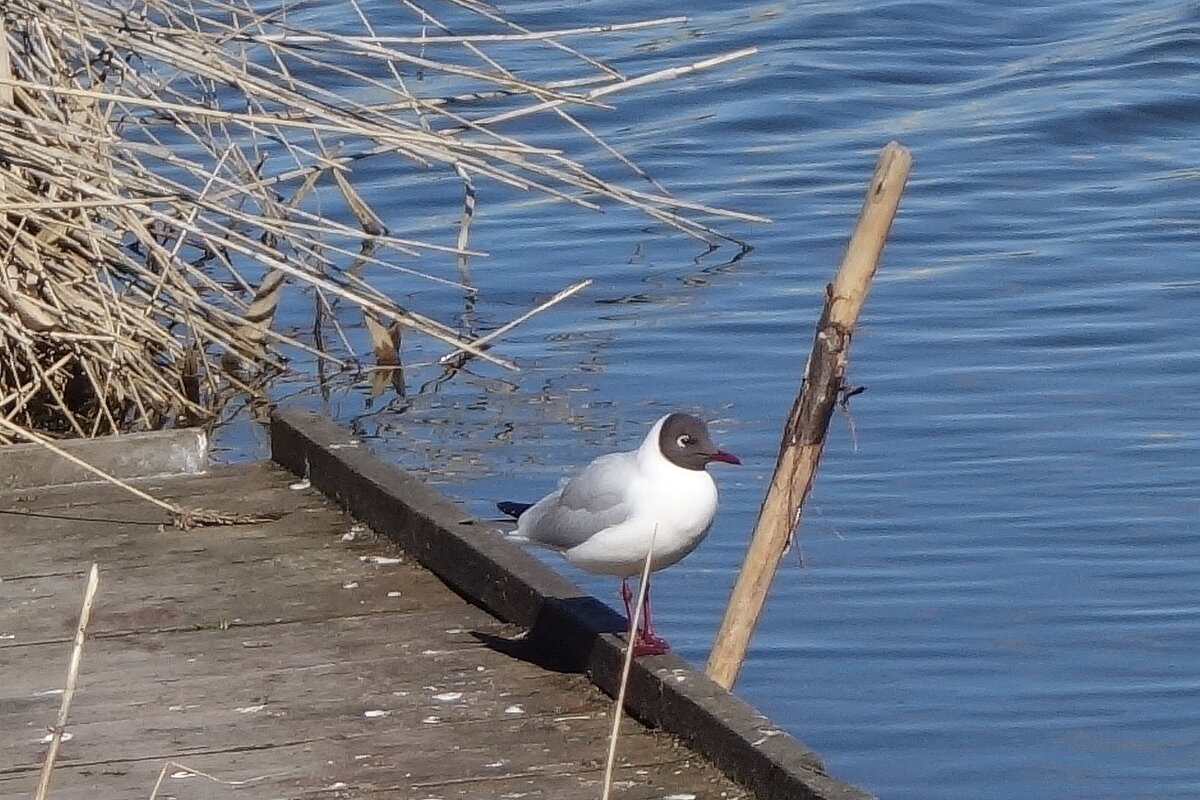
670 508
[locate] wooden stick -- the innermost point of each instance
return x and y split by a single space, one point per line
804 433
85 615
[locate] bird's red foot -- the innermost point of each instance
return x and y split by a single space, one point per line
650 645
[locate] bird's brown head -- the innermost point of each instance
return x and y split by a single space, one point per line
684 441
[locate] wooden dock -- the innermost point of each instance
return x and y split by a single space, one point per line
312 657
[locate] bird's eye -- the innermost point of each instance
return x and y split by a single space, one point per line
684 441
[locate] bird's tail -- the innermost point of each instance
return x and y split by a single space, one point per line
514 510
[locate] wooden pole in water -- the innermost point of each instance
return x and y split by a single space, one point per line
804 433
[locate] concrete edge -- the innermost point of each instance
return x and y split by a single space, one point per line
128 456
499 576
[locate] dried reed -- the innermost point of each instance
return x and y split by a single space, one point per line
610 761
169 167
64 709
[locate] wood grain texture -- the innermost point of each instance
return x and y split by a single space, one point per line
283 661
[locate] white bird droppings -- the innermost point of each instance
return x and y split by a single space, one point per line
251 709
448 697
375 712
681 796
300 486
66 737
350 585
393 594
378 560
431 720
515 709
357 531
767 733
182 774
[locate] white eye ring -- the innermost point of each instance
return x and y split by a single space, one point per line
684 441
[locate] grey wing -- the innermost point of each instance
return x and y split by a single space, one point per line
595 499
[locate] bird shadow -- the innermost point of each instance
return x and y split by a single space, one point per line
563 635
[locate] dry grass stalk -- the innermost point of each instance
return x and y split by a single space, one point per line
172 167
610 761
482 341
183 771
64 708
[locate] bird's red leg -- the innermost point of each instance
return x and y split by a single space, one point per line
646 643
627 596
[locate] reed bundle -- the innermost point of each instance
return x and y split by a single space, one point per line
168 168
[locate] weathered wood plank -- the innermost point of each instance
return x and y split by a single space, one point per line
295 568
219 697
302 770
241 487
136 455
216 576
241 652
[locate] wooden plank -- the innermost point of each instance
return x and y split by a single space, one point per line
133 455
212 576
220 698
249 592
304 769
242 487
241 652
239 576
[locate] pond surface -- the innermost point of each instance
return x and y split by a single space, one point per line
996 588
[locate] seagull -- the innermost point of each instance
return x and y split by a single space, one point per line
658 498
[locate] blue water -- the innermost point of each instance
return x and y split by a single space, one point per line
996 588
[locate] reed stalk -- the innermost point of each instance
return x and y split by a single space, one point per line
64 709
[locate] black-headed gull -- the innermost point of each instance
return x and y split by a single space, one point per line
604 519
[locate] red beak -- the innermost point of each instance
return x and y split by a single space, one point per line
727 458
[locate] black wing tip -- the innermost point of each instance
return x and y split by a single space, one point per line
514 510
